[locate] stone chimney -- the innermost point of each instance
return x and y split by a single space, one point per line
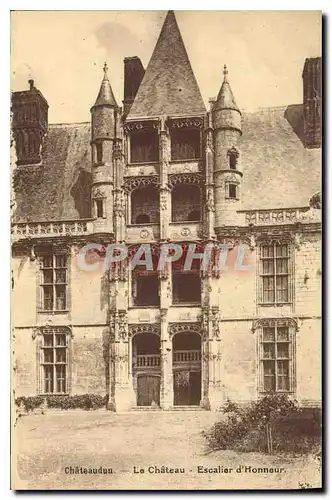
133 75
312 96
29 124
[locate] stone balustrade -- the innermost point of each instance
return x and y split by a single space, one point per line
49 229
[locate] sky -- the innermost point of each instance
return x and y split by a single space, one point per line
64 52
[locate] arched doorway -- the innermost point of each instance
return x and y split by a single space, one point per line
146 366
187 373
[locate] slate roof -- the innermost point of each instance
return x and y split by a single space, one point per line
169 85
105 95
225 99
278 171
59 188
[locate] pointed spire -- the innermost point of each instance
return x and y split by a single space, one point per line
105 96
225 99
169 86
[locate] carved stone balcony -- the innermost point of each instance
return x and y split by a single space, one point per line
141 233
183 357
51 229
147 361
179 231
280 216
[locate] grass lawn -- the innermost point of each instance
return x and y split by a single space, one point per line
46 444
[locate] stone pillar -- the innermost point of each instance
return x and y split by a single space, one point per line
164 193
209 205
124 394
166 363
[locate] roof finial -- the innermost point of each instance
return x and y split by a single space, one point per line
225 73
105 68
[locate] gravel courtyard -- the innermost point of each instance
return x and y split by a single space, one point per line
54 450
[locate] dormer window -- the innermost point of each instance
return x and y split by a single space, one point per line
233 156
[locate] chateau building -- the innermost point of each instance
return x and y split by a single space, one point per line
164 169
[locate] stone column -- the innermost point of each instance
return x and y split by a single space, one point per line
209 206
164 193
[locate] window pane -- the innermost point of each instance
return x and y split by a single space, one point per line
282 288
269 375
268 267
267 251
269 351
282 266
60 339
283 368
282 333
282 350
48 355
47 276
281 250
48 378
47 261
283 383
60 276
60 260
60 291
48 340
48 298
268 333
60 355
60 378
268 289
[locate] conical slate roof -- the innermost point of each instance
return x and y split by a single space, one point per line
169 86
225 99
105 96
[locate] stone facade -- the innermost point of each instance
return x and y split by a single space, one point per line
84 330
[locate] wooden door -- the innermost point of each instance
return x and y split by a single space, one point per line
148 390
181 388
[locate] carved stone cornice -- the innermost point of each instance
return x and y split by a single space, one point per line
141 125
272 322
135 329
186 122
51 329
132 183
282 216
185 178
174 328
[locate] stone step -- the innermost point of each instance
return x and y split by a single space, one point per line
173 408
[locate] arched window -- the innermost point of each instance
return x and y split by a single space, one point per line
145 205
186 201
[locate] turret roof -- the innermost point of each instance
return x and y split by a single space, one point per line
225 99
105 96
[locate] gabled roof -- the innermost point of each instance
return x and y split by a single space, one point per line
169 86
105 96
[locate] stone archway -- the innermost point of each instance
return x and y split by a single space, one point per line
187 368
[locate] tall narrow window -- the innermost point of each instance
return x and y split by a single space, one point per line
276 358
99 150
54 363
232 190
275 273
54 274
100 208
